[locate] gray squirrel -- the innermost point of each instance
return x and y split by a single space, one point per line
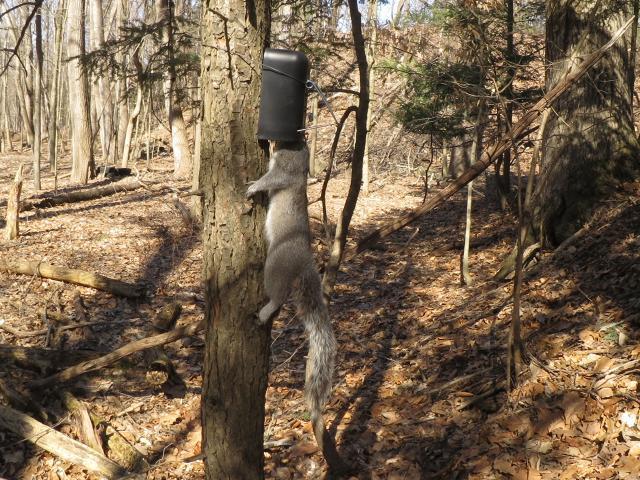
290 267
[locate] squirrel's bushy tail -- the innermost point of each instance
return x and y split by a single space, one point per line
322 343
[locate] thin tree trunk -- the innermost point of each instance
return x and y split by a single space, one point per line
54 97
342 228
23 83
371 55
121 84
135 58
82 163
476 151
37 104
179 140
314 165
102 100
237 348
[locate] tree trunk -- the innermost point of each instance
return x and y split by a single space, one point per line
54 97
314 164
590 144
237 349
372 21
37 104
179 139
121 83
103 104
82 163
342 228
135 58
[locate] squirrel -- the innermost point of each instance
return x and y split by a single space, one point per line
290 266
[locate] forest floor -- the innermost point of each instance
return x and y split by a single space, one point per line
420 381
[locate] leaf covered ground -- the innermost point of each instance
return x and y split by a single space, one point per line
419 390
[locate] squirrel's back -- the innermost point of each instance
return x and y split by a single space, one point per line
287 216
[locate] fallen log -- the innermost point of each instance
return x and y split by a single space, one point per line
493 152
58 444
91 193
119 354
70 275
111 188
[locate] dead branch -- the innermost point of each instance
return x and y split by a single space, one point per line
119 354
491 153
69 275
12 228
332 156
58 444
118 448
84 426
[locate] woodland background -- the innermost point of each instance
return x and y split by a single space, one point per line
484 332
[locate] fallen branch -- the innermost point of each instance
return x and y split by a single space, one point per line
117 447
493 152
82 418
70 275
119 354
58 444
111 188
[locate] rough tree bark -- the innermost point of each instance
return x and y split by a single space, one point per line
237 349
82 163
589 143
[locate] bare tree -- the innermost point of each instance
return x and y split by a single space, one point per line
37 102
179 140
55 85
82 163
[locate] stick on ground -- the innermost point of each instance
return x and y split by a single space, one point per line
120 353
71 275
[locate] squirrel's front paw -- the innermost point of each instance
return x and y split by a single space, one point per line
251 191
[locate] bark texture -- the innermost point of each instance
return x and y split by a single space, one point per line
590 143
237 349
82 166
